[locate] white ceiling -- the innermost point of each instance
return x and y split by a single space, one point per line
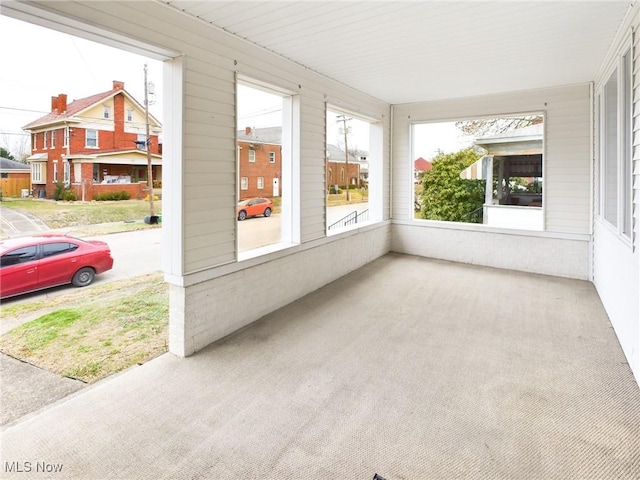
408 51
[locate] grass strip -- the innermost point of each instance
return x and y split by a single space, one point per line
107 330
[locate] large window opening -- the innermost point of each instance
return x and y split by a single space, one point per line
352 170
615 102
485 171
267 162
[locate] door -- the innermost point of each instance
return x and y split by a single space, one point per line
19 270
58 263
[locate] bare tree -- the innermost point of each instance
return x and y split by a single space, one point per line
483 127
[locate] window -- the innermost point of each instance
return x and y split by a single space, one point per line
65 140
37 172
53 138
67 173
91 139
273 114
55 171
354 153
44 141
141 142
129 115
35 141
106 112
480 170
19 255
58 248
272 157
615 122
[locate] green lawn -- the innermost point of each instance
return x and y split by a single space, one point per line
92 332
69 214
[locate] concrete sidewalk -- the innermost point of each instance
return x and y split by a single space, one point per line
410 368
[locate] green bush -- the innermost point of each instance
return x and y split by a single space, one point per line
112 196
63 193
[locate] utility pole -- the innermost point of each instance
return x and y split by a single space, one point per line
344 119
152 212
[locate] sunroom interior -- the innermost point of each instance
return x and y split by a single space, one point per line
549 57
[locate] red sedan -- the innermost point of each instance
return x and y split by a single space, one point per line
33 263
251 207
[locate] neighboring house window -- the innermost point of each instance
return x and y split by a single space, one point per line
35 141
272 157
260 183
106 112
91 139
129 115
44 143
37 172
55 172
53 138
252 155
67 173
342 175
65 140
616 117
244 183
141 142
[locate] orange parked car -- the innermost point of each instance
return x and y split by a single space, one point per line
250 207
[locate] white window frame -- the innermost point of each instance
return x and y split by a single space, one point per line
272 157
252 155
45 137
35 142
55 171
86 138
37 172
129 114
106 112
53 139
260 183
67 173
65 138
289 180
244 183
618 150
375 161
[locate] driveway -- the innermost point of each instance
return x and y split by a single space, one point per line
14 223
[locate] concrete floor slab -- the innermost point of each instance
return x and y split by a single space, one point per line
408 367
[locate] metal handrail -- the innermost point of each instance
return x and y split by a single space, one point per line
352 218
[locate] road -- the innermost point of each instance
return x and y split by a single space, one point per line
139 252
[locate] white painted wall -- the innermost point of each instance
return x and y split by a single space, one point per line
616 270
562 249
209 286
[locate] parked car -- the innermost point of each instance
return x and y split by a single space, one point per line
250 207
42 261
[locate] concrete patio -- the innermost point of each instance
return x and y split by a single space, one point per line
409 367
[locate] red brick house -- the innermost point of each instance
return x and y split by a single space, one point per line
260 160
338 171
420 166
94 145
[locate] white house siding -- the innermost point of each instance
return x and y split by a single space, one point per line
563 248
208 291
616 270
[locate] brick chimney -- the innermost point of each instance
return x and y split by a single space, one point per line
247 131
118 85
62 102
59 103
